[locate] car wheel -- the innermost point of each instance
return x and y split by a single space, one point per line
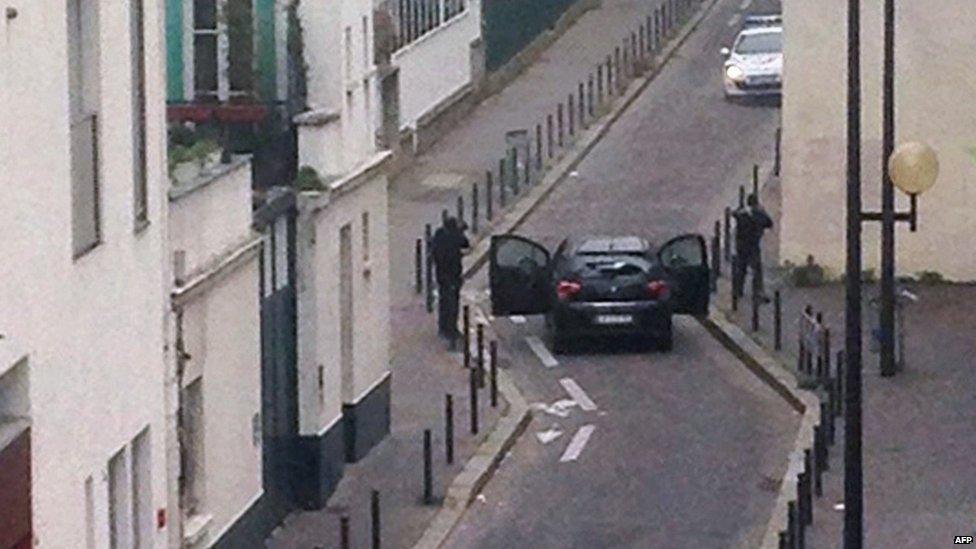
558 343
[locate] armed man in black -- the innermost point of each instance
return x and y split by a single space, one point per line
448 246
750 224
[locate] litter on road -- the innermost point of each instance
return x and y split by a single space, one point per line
550 435
559 408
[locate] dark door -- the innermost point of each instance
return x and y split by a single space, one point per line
686 261
518 272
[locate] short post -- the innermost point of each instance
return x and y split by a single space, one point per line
449 428
784 540
776 157
792 522
807 492
375 513
460 209
515 171
717 250
473 396
581 104
428 470
419 265
624 68
528 164
481 355
735 283
599 87
755 309
617 65
501 183
713 279
589 97
641 42
538 147
742 196
728 233
466 336
610 75
493 365
755 180
344 532
826 434
818 452
489 214
657 28
559 123
571 112
428 239
777 322
826 353
841 386
634 50
474 207
549 135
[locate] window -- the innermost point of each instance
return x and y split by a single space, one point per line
365 236
240 45
191 448
348 37
83 99
120 526
365 43
89 513
205 48
142 514
138 53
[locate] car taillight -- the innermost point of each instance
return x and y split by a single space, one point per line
566 289
657 289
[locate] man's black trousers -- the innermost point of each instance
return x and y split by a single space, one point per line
449 295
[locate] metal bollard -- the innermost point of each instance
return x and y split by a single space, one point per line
528 165
784 540
776 153
444 215
755 308
717 251
571 108
755 180
792 522
428 240
449 428
777 322
344 532
650 35
481 355
513 153
616 62
642 44
610 75
466 336
657 28
489 214
713 279
728 233
428 470
375 513
634 50
818 452
493 365
624 68
473 396
538 147
419 265
559 123
808 481
735 283
827 434
841 382
826 354
474 207
549 135
599 87
742 196
501 183
581 104
460 209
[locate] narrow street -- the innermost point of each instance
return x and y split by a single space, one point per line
660 450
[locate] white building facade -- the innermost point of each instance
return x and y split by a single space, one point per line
342 255
84 282
934 88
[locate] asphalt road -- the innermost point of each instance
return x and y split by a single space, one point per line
661 450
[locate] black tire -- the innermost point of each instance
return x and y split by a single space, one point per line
558 343
666 342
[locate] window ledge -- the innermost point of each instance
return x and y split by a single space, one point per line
195 528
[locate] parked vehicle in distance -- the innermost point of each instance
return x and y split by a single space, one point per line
601 285
754 63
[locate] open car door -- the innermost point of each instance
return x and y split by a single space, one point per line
686 260
519 276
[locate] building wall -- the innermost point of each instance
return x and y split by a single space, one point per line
94 328
935 86
211 223
318 297
437 65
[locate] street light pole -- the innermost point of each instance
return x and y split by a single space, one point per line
888 197
853 493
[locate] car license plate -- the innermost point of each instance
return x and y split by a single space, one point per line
763 80
614 319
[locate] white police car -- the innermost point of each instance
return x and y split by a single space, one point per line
754 63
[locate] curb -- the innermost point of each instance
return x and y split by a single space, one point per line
512 219
771 372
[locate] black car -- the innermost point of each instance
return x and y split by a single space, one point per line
601 285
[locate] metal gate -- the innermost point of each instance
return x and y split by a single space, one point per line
279 385
510 25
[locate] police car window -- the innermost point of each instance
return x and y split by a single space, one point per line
514 253
766 42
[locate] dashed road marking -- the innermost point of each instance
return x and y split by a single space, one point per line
517 319
735 20
577 444
578 394
540 350
745 5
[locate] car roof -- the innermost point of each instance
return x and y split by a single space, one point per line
611 244
760 30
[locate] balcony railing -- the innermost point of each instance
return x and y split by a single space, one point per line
85 222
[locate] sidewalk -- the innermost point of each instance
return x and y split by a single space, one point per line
918 427
422 371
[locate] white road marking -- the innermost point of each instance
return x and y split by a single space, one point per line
735 20
577 393
540 350
745 5
517 319
577 444
552 434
